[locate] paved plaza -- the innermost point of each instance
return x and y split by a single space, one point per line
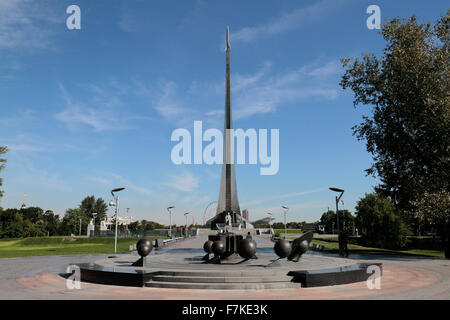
403 278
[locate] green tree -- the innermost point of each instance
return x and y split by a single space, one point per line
3 150
380 223
12 223
408 131
71 222
346 221
434 208
33 214
278 225
94 208
134 226
52 222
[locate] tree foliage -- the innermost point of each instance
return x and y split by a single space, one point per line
434 209
380 223
329 220
3 150
71 222
145 225
408 131
94 208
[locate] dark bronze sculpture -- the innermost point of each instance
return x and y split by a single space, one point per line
247 248
300 246
144 247
207 247
282 248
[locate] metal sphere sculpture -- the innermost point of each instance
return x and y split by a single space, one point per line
218 248
282 248
247 248
303 247
208 246
144 247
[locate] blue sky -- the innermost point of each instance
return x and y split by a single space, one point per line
84 111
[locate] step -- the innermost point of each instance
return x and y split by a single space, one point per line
222 286
211 273
207 279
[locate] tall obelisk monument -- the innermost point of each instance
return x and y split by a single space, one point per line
228 199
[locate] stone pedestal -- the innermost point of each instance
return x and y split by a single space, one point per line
230 240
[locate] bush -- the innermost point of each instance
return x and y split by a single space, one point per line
380 224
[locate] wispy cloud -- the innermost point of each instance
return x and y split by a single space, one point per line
186 182
112 178
263 93
284 196
286 22
168 106
102 112
26 24
23 147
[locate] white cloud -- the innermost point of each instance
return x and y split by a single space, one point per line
103 181
26 24
284 196
186 182
106 113
120 180
286 21
23 147
168 105
262 93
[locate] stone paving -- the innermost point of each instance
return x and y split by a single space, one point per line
403 278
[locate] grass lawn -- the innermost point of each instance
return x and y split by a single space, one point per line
291 233
47 246
332 247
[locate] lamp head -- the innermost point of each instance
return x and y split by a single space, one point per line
336 189
116 190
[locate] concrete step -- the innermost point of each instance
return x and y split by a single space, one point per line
209 273
222 286
207 279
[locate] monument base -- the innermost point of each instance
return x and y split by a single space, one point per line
230 240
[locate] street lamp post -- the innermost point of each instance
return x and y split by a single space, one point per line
286 209
115 204
270 220
185 228
337 217
170 220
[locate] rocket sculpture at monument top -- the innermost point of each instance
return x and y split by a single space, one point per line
228 200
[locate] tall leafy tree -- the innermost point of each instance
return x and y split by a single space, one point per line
71 222
12 223
33 214
434 209
3 150
94 208
408 130
51 221
380 222
329 220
